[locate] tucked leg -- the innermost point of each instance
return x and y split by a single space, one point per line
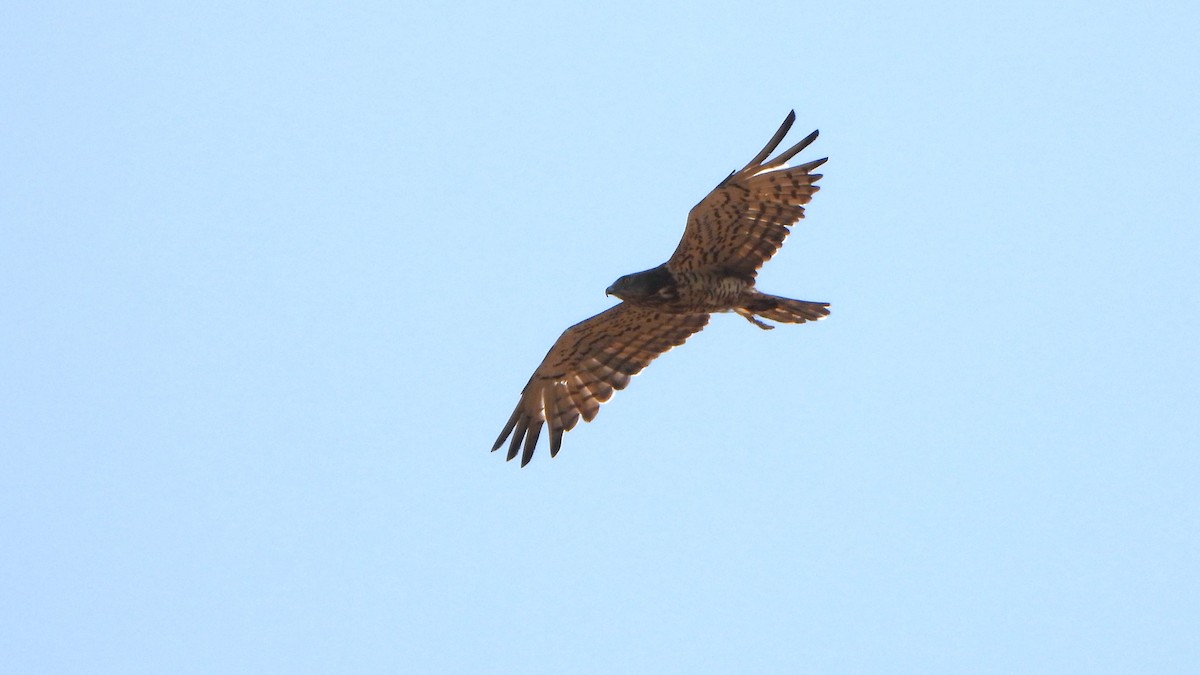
752 319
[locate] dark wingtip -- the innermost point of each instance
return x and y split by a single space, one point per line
791 152
518 435
508 427
531 439
809 166
773 143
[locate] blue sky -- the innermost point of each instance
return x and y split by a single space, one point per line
274 275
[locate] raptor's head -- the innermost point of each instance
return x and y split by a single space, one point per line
641 285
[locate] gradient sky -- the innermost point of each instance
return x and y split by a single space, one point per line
273 276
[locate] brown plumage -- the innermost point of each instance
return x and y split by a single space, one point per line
729 235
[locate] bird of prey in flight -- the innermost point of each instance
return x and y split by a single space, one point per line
729 235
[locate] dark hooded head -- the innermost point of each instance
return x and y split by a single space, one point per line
647 285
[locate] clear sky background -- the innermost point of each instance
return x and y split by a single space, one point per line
272 276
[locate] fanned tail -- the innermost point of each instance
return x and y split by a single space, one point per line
782 310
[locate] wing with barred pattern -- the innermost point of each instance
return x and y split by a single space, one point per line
590 361
744 220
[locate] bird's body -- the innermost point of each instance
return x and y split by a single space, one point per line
685 291
707 291
729 235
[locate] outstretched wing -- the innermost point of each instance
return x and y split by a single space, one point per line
744 220
588 362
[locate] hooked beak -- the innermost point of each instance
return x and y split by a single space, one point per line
608 291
